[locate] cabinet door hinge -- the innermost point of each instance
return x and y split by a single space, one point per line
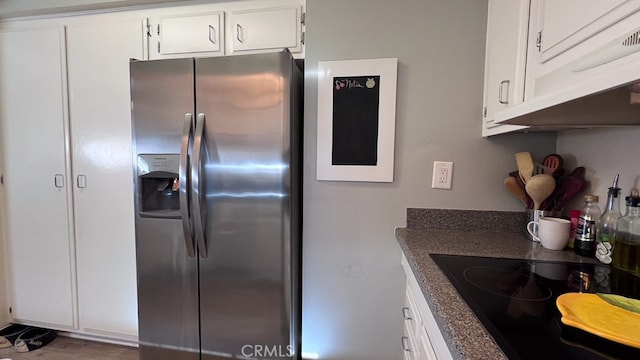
539 41
158 29
148 30
10 310
484 112
2 179
302 38
303 18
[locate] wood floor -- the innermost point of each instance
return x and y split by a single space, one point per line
65 348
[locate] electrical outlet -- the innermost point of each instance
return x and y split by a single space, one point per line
442 173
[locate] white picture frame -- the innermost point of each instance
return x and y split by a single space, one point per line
373 157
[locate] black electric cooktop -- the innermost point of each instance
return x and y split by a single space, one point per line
516 302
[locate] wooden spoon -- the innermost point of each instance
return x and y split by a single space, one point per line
514 187
525 165
539 187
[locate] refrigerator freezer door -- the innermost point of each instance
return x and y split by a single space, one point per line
246 282
162 93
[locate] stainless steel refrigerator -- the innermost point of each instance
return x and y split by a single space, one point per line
217 184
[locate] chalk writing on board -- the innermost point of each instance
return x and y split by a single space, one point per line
356 104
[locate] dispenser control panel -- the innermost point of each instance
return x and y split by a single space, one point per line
149 163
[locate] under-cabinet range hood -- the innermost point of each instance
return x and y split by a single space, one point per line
612 108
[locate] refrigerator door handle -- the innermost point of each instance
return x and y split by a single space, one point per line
183 175
195 186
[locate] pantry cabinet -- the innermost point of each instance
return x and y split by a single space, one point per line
100 123
66 137
421 338
505 61
36 177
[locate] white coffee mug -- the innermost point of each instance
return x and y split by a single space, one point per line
552 233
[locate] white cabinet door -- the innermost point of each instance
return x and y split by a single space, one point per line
507 24
428 341
412 324
190 33
37 218
425 348
566 23
98 58
265 29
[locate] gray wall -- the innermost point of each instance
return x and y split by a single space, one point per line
604 153
353 282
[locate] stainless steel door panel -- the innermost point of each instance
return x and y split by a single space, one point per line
161 93
245 282
167 292
168 313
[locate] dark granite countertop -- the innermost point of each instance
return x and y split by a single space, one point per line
466 337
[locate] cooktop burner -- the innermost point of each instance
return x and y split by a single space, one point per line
507 283
515 301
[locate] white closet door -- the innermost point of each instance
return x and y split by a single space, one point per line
100 111
37 219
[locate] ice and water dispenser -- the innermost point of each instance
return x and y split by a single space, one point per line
159 185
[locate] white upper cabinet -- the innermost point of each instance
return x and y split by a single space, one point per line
100 117
506 48
579 49
38 233
201 32
254 30
226 28
565 23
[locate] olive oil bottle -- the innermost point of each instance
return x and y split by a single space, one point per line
626 251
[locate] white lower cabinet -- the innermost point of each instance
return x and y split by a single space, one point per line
422 339
66 150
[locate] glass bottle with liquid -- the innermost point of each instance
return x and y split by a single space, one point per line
626 252
608 223
584 243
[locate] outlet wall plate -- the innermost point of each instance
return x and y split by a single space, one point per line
442 174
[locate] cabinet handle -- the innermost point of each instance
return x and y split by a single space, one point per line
406 314
539 41
212 34
405 344
239 33
81 181
504 100
58 180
